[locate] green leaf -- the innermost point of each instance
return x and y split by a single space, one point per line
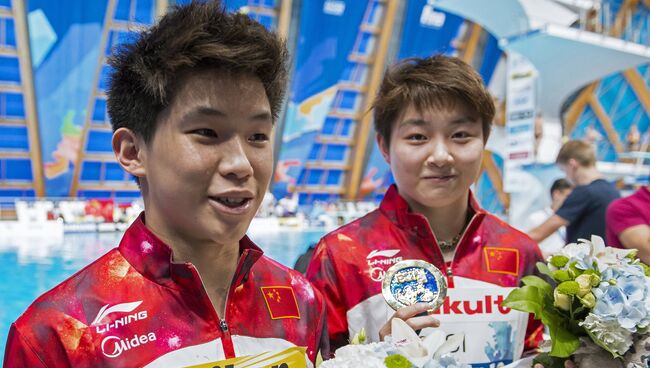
551 316
544 287
525 299
563 342
543 269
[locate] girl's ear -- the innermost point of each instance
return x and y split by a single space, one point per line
383 147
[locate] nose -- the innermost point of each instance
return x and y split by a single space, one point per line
440 154
235 161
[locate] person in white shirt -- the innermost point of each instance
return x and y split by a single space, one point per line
560 189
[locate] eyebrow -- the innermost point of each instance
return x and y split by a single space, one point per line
458 121
210 111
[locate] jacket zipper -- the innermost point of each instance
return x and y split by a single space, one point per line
450 275
227 344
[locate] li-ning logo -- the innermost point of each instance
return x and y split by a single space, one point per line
376 270
117 308
388 253
122 345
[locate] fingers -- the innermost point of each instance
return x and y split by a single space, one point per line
416 316
418 323
411 311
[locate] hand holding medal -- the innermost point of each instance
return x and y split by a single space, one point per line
414 281
414 288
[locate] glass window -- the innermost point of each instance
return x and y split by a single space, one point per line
99 141
14 138
314 176
18 169
99 111
335 152
113 172
334 177
91 171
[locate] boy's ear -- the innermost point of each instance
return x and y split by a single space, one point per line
129 149
383 147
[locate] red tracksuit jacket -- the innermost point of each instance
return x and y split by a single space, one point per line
349 263
133 307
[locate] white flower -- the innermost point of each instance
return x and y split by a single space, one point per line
561 301
597 245
432 352
354 356
608 333
612 257
421 352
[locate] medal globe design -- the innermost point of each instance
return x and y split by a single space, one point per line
414 281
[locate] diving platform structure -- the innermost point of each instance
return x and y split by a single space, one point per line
592 67
21 169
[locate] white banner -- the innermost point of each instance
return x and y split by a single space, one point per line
494 335
520 121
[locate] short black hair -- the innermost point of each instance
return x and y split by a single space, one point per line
199 35
560 184
439 82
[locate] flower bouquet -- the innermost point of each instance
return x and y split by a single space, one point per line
403 349
597 295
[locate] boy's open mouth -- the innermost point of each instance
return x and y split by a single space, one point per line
231 202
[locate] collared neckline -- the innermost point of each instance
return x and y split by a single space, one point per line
397 209
152 257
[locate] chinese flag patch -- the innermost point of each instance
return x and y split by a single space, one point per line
502 260
281 302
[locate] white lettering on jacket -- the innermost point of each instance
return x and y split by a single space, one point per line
113 346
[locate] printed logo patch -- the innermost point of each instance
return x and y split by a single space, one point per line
113 346
502 260
384 253
122 307
103 324
281 302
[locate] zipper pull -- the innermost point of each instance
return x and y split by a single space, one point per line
223 325
450 277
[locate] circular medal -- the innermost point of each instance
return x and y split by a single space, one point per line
414 281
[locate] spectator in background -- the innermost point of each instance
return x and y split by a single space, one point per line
628 223
303 261
583 211
560 189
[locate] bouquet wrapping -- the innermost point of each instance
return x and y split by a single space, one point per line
597 296
403 349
